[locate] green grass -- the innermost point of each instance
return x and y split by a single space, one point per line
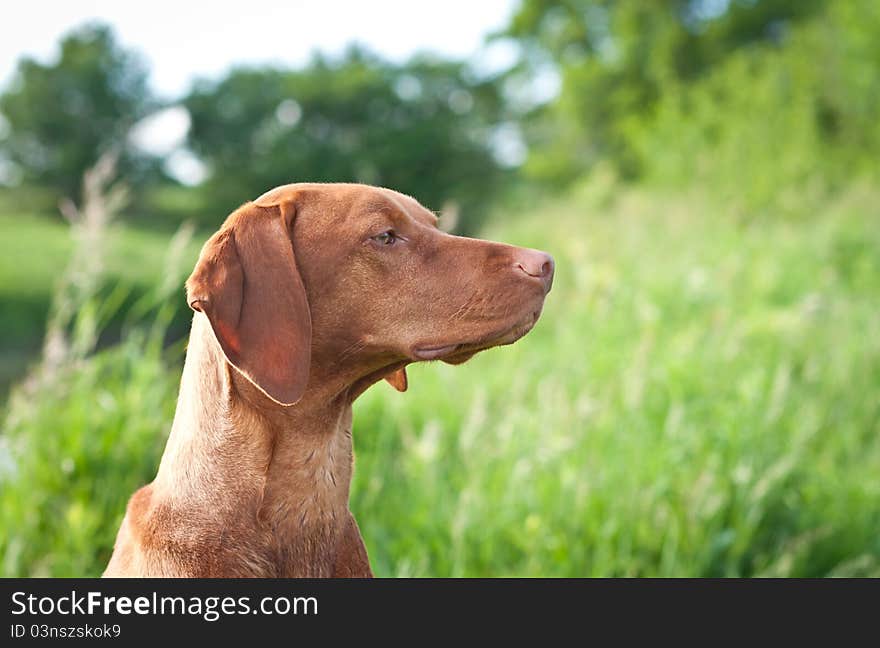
698 399
36 250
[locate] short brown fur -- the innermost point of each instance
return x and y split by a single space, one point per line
303 300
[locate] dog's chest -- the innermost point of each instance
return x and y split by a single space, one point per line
305 507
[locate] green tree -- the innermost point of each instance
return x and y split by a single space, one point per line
423 128
618 58
62 116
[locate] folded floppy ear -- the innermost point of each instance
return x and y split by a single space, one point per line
246 282
398 379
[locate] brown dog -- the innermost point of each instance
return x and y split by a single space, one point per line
304 299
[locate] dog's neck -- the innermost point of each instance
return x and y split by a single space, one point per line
282 471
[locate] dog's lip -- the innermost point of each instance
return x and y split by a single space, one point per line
434 352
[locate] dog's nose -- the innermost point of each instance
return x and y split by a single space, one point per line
537 264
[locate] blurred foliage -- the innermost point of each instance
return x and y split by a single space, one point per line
422 128
773 128
68 459
36 251
84 421
762 100
63 116
426 127
743 95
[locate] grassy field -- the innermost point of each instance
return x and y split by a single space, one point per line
36 249
700 398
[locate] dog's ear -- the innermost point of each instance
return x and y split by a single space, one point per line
398 379
246 282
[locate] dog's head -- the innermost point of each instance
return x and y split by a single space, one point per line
311 281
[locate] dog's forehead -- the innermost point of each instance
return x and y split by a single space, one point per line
393 203
355 204
352 203
351 200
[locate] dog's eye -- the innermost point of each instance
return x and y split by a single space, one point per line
386 238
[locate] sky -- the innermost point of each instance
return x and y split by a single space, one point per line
183 40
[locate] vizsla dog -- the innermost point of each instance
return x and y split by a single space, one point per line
303 299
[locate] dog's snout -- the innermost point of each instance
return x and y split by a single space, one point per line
536 264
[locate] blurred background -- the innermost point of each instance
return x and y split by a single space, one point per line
700 397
